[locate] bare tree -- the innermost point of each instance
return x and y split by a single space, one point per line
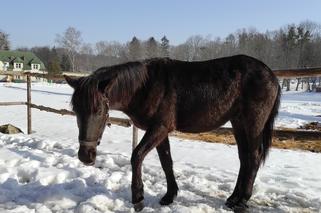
71 41
230 45
85 62
111 49
213 49
101 47
195 45
181 52
87 49
4 41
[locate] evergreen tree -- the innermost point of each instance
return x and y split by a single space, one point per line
164 47
53 64
304 37
54 67
134 49
151 48
65 63
44 53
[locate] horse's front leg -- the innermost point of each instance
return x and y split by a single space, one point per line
165 157
152 138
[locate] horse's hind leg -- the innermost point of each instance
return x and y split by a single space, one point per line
240 137
250 155
165 157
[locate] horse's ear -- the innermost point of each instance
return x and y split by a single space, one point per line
72 81
106 85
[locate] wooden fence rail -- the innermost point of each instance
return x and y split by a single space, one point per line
112 120
14 103
41 75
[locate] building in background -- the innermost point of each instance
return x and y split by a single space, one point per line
18 61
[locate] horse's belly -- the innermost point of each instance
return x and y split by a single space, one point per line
201 122
197 128
206 107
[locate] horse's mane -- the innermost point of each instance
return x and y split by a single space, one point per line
127 78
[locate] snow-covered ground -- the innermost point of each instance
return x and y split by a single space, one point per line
41 172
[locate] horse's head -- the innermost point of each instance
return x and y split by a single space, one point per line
91 107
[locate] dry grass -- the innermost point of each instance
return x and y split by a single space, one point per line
278 142
309 145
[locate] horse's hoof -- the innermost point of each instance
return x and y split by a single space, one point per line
238 209
139 206
167 199
230 202
239 206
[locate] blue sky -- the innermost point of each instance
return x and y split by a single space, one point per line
36 22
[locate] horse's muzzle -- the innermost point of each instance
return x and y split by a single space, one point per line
87 155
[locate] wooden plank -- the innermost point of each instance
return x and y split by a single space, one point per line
49 109
117 121
13 103
41 75
120 121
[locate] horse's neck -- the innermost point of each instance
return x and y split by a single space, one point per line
129 79
117 105
121 99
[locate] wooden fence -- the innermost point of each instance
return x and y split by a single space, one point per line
281 74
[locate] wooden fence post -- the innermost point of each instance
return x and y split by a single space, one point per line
135 136
29 103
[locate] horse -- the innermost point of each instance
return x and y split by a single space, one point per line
161 95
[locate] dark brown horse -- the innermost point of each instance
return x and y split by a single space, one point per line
162 95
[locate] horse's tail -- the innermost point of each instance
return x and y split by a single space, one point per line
268 128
